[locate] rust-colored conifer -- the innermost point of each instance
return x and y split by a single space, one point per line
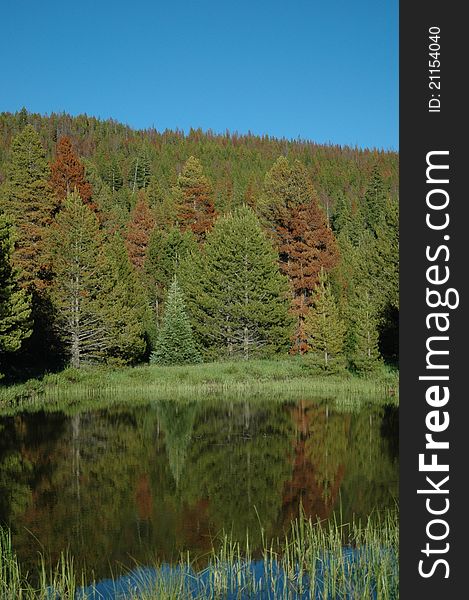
68 174
139 228
194 198
305 242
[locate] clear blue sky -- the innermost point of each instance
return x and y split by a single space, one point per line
321 70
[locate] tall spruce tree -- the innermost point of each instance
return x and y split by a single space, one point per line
140 172
374 202
15 307
236 296
28 201
99 301
387 253
139 228
305 242
165 250
125 311
68 174
365 356
80 267
325 328
175 345
194 198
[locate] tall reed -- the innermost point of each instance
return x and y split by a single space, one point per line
318 561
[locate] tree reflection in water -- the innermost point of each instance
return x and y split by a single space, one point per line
124 483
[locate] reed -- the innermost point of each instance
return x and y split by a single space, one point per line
320 561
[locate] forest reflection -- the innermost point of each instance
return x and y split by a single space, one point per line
123 484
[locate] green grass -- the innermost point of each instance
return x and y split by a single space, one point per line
312 561
287 377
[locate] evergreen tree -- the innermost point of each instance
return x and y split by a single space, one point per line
285 186
365 355
112 173
125 312
162 205
68 174
15 308
342 219
325 328
79 263
27 199
387 253
165 251
194 199
99 312
305 242
138 232
139 172
236 296
374 202
175 344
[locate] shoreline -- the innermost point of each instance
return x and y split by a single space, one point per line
259 378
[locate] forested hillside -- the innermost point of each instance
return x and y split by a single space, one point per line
119 246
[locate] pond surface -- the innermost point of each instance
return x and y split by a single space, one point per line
126 484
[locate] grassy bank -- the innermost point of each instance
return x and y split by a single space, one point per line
357 561
290 376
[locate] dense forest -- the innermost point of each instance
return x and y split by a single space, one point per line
120 246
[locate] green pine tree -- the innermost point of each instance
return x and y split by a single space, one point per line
325 328
165 250
79 289
125 312
375 201
387 253
15 306
27 200
365 356
175 344
139 172
236 296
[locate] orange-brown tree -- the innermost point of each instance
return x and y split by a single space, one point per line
194 198
68 174
305 242
139 228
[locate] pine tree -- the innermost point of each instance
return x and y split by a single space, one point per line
365 356
68 174
140 172
237 298
387 253
138 232
285 185
194 198
162 204
175 344
125 312
165 250
15 307
112 173
27 200
374 202
325 328
79 291
305 242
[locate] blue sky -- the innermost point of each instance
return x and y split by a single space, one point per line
325 71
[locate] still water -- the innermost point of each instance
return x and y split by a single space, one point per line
121 484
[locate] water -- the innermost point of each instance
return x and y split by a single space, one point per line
124 485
